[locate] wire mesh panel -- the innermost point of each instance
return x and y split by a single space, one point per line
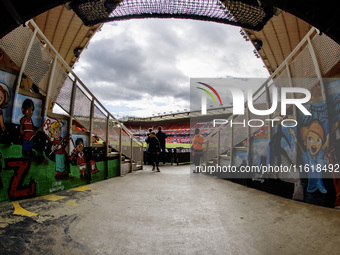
99 123
15 44
204 156
303 67
212 149
59 79
126 144
137 150
114 133
278 83
240 128
327 52
225 139
82 108
64 96
259 103
248 14
38 65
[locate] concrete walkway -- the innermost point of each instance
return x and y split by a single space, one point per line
170 212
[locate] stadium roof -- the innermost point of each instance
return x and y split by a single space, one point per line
246 13
65 30
220 113
278 38
281 33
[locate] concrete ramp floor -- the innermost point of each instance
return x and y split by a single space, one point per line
170 212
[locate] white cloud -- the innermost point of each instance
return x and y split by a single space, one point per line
143 67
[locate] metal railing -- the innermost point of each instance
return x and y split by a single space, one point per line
311 60
37 59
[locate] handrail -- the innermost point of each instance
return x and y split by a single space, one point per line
271 77
69 70
284 66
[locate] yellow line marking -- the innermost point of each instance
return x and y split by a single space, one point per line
18 210
72 203
53 197
83 188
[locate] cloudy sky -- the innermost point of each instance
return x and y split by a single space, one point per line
143 67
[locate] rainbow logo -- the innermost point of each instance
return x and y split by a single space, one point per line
209 93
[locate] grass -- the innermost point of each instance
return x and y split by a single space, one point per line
168 145
174 145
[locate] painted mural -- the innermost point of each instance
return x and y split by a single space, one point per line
37 155
333 98
313 144
317 143
258 156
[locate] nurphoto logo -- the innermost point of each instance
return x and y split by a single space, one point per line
238 105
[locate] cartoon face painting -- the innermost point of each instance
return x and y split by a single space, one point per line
313 143
56 133
80 146
29 112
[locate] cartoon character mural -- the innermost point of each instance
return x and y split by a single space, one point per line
79 157
277 146
4 97
313 153
53 131
27 128
313 140
58 147
332 88
7 81
26 119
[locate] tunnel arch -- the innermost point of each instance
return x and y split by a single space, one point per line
323 16
74 47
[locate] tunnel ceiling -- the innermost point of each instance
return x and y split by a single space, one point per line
278 35
245 13
65 31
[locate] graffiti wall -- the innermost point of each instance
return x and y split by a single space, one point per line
313 145
309 151
333 153
38 154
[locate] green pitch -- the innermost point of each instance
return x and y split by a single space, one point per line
174 145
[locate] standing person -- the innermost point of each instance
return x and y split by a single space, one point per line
162 141
197 148
153 150
150 130
147 145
